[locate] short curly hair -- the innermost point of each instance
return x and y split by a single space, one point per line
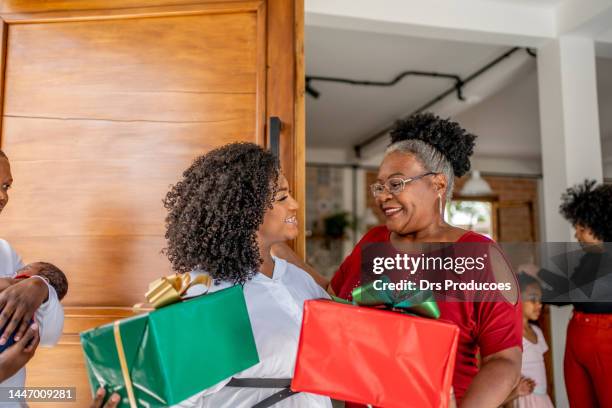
589 205
215 210
446 136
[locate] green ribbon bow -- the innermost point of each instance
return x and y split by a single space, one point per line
417 302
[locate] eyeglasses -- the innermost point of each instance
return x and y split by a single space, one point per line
395 185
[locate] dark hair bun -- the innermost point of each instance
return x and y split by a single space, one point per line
450 139
590 206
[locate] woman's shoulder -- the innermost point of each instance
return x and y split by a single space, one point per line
197 290
471 236
10 261
379 233
299 278
5 247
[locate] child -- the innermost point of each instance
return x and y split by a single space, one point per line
531 391
51 273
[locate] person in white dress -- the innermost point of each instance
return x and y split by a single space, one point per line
531 391
224 215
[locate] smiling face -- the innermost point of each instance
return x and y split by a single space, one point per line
280 221
532 301
584 235
6 179
417 206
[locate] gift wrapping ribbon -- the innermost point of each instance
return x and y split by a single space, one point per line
170 289
124 367
407 301
162 292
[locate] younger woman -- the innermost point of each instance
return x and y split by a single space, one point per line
230 207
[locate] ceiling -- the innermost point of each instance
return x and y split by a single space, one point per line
345 114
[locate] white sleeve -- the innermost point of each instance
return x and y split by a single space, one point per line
50 318
317 291
314 290
10 261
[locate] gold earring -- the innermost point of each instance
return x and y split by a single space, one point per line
440 205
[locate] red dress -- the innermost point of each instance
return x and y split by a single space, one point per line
488 327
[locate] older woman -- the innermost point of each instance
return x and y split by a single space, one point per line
414 181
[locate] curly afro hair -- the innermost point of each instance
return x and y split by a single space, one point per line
449 138
216 209
590 206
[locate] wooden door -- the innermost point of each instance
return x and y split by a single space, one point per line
104 103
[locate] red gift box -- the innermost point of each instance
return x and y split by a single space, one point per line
372 356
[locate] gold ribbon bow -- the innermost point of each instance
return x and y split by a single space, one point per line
170 289
162 292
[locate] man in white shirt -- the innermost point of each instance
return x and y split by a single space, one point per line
49 317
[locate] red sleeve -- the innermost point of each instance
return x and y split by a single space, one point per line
499 323
341 274
500 326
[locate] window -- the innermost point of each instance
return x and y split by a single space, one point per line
473 215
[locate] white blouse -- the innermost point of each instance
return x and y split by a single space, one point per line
275 307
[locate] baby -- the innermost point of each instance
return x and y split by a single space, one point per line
49 272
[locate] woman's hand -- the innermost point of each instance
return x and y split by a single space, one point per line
18 303
505 367
111 403
17 355
6 282
525 386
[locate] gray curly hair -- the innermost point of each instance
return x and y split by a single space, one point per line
429 157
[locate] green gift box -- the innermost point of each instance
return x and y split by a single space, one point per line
168 355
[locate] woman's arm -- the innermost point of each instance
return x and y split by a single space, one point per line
499 374
283 251
525 387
